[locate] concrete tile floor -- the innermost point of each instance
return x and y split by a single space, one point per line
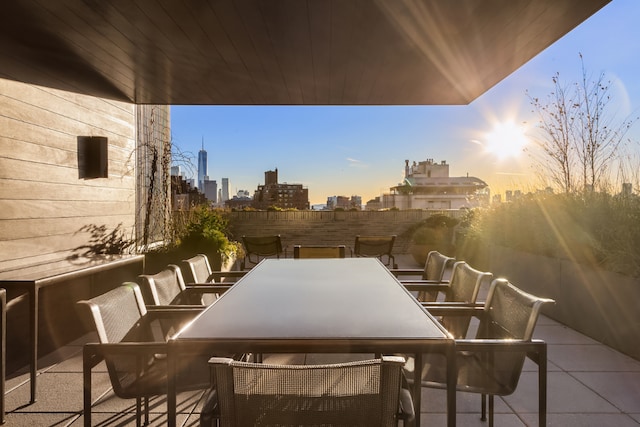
589 384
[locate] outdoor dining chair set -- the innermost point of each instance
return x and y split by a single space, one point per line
260 247
489 360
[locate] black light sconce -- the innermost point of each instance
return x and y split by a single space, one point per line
92 157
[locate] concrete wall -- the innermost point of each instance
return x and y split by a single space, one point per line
44 204
329 227
600 304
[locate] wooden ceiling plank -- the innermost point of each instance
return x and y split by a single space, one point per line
257 31
102 52
320 24
298 36
258 85
317 52
150 60
276 21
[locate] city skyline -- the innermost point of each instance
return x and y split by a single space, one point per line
348 150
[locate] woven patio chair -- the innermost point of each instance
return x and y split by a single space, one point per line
258 247
433 273
133 352
491 363
201 271
358 394
167 287
462 289
375 246
306 251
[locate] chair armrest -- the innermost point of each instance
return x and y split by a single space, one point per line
425 282
452 304
220 274
175 308
393 359
422 286
220 360
175 313
208 288
126 348
407 271
532 348
455 310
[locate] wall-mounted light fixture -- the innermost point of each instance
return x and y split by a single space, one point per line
92 157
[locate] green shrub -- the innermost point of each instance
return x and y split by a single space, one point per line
206 232
595 228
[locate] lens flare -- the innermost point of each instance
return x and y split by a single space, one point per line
506 140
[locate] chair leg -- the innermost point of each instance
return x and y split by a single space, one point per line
146 410
542 386
483 407
86 387
138 411
491 410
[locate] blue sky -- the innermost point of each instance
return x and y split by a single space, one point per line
361 150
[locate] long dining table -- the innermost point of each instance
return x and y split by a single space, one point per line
350 305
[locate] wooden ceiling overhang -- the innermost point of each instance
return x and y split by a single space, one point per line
279 52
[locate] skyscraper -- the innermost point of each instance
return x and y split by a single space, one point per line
202 167
210 189
225 190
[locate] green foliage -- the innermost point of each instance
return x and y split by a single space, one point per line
595 228
207 232
432 233
425 231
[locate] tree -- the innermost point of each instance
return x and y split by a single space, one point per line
579 136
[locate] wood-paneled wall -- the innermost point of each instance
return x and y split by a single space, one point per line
44 205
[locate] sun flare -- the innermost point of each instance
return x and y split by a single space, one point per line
506 140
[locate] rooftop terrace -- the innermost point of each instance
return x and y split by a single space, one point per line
589 384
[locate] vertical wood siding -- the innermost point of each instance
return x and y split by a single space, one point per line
44 205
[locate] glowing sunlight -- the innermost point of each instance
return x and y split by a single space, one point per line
506 140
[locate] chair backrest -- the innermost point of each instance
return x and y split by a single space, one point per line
465 283
463 287
165 287
363 393
256 247
114 314
115 317
300 251
199 267
434 268
436 265
373 246
510 313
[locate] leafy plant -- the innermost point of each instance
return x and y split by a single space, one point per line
206 232
423 231
432 233
595 228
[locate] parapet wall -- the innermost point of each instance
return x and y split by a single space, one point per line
330 227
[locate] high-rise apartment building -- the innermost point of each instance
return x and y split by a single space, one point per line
225 190
274 194
202 167
210 190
